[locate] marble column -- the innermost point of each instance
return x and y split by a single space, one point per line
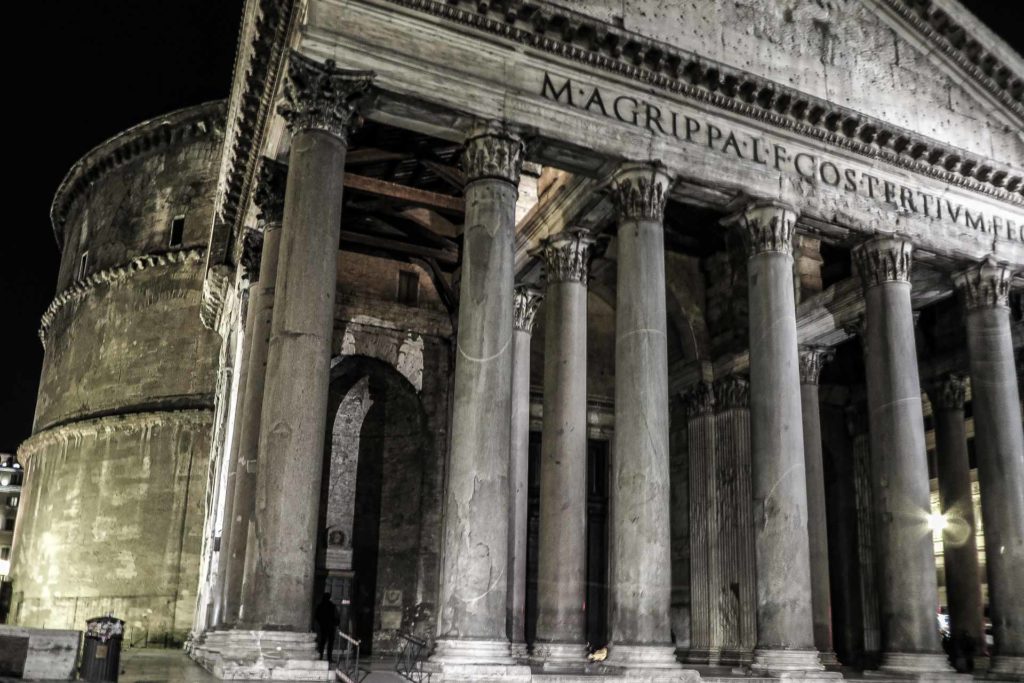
524 309
999 450
641 562
959 543
906 564
269 199
319 109
705 637
811 361
474 581
785 637
562 548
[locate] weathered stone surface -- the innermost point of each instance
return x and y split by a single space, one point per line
38 653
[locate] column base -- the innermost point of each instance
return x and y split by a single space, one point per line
799 665
641 660
261 655
828 659
1007 667
475 661
559 656
920 667
520 653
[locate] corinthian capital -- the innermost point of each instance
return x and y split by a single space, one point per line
949 393
567 256
252 252
492 151
812 360
640 192
318 96
700 400
732 393
269 193
767 226
525 301
985 285
883 259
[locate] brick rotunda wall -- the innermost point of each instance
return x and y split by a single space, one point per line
116 468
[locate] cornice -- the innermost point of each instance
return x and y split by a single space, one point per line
80 289
177 127
575 37
954 41
258 65
127 423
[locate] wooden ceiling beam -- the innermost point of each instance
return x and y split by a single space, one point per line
411 195
446 256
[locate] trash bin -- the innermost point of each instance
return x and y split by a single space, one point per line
101 656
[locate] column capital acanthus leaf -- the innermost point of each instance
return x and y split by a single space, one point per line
949 393
985 285
269 192
812 360
640 191
525 301
767 226
319 96
566 256
252 252
494 152
883 259
699 400
732 393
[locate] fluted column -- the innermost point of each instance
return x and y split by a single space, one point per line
785 638
999 450
524 310
562 570
269 197
474 581
906 563
811 361
641 562
319 110
959 544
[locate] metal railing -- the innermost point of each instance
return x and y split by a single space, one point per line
346 664
409 664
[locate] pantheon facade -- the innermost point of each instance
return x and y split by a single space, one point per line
537 328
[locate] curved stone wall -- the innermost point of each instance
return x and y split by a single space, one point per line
116 469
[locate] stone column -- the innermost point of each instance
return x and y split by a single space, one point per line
811 361
906 563
562 553
959 543
999 450
705 641
269 197
785 638
524 310
319 110
641 562
472 640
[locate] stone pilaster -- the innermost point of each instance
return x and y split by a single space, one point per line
999 450
269 199
960 549
785 639
524 309
812 359
320 107
906 576
562 570
472 639
641 582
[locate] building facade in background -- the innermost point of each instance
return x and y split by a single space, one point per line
529 328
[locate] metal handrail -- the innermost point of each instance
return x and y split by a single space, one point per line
347 662
409 664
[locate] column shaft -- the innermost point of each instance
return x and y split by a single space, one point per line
811 361
561 576
960 548
906 563
261 305
785 639
474 580
524 310
641 579
999 449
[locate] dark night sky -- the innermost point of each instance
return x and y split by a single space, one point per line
95 69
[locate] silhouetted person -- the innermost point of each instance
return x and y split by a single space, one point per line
326 617
967 649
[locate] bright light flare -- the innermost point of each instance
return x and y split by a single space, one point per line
936 522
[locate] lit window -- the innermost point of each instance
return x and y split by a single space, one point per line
12 501
83 264
177 231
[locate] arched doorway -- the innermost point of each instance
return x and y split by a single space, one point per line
376 447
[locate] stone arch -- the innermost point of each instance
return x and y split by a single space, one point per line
377 456
403 352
